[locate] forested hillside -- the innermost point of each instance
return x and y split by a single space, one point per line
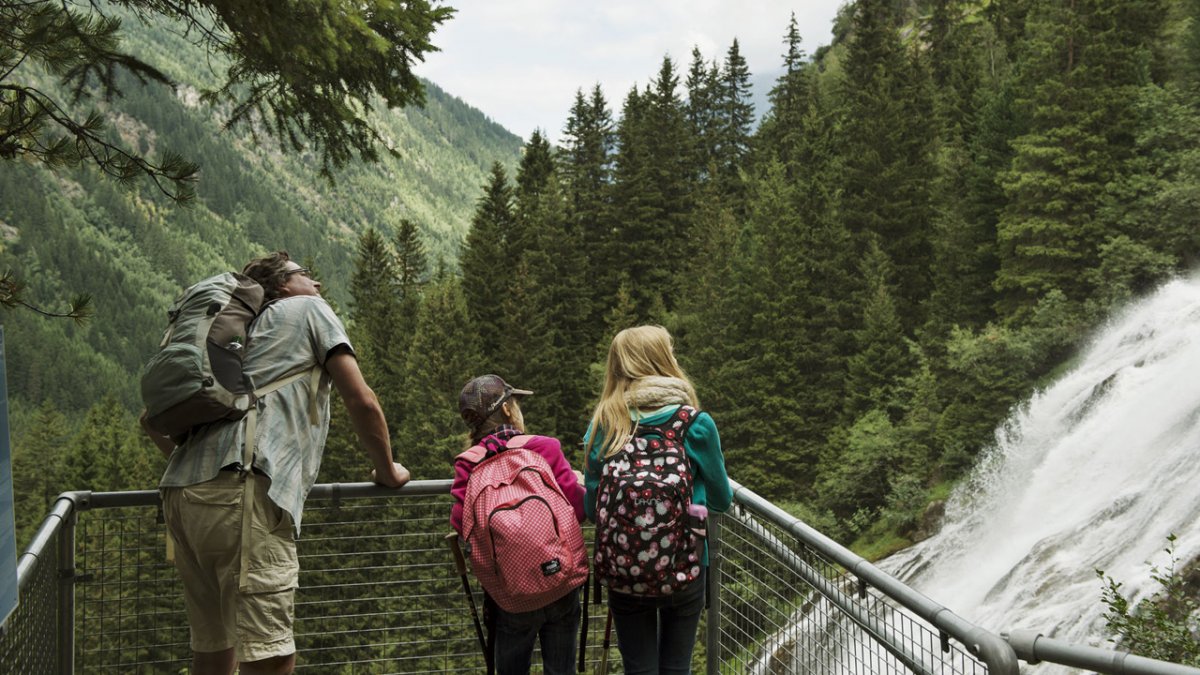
77 231
933 213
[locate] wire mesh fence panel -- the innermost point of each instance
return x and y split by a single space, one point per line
29 639
786 609
129 613
380 592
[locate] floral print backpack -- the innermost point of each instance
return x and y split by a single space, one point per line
645 544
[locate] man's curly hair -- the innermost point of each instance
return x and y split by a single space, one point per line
270 272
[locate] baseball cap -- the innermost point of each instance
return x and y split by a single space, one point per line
483 396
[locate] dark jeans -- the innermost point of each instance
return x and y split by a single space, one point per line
557 624
657 634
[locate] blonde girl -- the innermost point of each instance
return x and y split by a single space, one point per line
643 383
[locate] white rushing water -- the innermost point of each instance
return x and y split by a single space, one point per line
1092 473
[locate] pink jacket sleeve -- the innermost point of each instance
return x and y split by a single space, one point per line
458 490
550 449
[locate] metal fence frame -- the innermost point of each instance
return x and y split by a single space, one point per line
48 566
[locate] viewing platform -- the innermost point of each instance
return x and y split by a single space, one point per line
379 593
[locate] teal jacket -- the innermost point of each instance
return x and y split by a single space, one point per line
710 485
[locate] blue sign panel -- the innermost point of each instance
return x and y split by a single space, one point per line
8 526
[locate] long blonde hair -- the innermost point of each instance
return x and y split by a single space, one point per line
643 351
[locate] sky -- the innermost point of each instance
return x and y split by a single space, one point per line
521 61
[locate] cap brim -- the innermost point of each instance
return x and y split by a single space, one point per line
521 392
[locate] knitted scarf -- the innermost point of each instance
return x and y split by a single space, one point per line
656 391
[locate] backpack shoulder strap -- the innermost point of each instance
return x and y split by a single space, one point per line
473 454
518 441
685 413
314 382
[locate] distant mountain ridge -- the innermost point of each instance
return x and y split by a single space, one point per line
76 231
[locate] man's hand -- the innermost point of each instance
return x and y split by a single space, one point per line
396 478
165 445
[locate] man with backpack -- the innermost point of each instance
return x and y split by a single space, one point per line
234 490
518 506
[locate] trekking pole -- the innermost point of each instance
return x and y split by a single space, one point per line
604 650
583 625
461 564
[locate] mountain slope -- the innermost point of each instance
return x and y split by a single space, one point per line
76 231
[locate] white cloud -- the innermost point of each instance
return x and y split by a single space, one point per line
521 61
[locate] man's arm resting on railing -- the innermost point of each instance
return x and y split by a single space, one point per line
366 416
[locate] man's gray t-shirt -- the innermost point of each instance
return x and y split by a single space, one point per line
292 335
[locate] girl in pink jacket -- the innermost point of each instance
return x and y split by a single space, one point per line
490 408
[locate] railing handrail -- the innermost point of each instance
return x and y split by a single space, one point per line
1000 652
1033 647
51 524
984 645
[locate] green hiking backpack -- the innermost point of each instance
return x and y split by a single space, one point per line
197 377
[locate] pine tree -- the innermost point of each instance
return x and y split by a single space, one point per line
108 452
308 81
876 371
373 293
782 126
585 167
1159 194
412 262
549 331
444 355
37 466
703 86
778 332
1079 78
736 115
652 192
885 148
484 281
970 104
533 177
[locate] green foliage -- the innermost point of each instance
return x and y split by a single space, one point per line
885 151
858 470
74 231
1162 626
1084 66
882 359
444 354
304 71
932 214
734 115
79 46
1127 268
37 462
483 261
652 182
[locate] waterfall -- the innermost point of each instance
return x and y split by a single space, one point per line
1094 472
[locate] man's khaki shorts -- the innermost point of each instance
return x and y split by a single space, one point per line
205 522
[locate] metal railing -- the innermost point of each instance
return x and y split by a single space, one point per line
380 594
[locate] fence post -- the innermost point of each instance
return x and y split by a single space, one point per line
66 593
712 634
